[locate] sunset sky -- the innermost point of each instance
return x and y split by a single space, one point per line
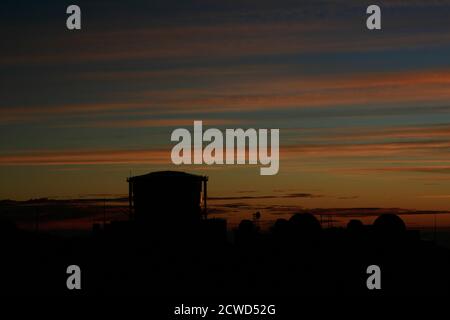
364 116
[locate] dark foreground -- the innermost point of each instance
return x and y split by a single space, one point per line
297 257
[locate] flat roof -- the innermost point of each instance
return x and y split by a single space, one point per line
168 175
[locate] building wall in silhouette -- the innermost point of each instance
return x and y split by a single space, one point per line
168 197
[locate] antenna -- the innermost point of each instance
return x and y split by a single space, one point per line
256 218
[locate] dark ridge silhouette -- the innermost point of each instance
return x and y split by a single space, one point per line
168 246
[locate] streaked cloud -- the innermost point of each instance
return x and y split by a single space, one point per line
366 149
290 195
219 41
86 157
282 92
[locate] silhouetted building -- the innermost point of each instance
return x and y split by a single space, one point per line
167 197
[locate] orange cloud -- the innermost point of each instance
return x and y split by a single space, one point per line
87 157
162 156
366 149
149 123
378 133
261 93
25 114
424 169
311 91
